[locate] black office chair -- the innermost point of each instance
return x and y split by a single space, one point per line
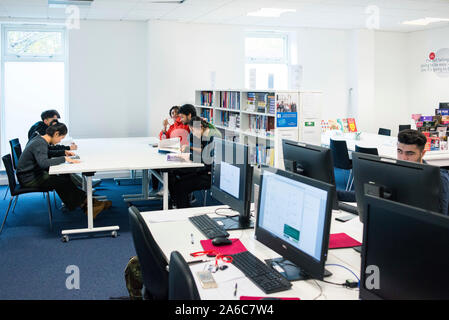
15 158
16 151
152 261
404 127
16 190
181 284
341 159
384 132
367 150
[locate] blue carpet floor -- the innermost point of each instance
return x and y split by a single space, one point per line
33 259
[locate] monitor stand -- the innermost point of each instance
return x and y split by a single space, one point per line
358 249
291 271
234 223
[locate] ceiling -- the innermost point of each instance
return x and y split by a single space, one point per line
335 14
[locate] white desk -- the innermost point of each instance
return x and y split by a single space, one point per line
172 230
386 146
118 154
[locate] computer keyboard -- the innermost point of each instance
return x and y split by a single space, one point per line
266 278
210 228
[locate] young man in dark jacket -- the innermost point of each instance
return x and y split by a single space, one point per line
50 117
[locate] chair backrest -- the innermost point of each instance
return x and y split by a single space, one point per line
404 127
367 150
384 132
16 151
151 258
340 154
7 162
181 284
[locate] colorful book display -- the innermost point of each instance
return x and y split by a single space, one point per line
341 124
434 128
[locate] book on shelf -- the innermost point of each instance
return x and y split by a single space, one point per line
208 114
261 102
260 154
260 123
251 101
206 98
230 100
230 120
271 104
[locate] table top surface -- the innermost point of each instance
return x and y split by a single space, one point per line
172 231
116 154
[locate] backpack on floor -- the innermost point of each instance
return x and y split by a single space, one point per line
133 279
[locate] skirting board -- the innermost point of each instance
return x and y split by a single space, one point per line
100 175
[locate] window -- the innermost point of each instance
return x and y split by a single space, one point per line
33 43
33 78
266 61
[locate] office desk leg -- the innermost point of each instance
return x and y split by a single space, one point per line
165 201
145 195
90 218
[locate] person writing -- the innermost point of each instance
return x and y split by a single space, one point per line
34 164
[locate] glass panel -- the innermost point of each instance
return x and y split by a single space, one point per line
34 43
265 48
30 88
263 71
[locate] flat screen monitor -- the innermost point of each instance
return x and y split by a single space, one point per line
311 161
293 219
232 182
407 182
404 252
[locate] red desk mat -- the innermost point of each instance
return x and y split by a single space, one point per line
230 249
342 240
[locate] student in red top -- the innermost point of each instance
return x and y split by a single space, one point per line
173 127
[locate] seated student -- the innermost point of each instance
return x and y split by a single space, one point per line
176 129
183 182
411 144
169 131
186 112
41 126
34 163
48 118
410 147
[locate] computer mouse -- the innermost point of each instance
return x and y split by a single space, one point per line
220 241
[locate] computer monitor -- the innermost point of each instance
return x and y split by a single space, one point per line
407 182
404 252
232 182
293 219
311 161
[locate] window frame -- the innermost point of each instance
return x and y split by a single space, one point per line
7 57
267 35
4 58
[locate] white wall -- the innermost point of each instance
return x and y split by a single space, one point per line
108 80
181 59
183 55
391 103
426 89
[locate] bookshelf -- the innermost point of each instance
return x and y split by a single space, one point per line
262 118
